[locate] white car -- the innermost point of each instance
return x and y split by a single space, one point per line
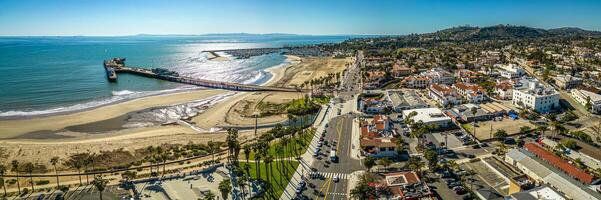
336 179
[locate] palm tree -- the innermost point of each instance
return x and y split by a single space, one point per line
2 171
87 161
232 143
209 196
54 161
15 168
416 164
78 165
164 158
268 159
369 162
100 184
29 169
241 181
247 151
225 187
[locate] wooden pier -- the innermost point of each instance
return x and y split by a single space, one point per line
121 68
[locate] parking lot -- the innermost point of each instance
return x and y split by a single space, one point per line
488 176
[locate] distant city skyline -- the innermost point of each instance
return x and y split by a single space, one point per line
310 17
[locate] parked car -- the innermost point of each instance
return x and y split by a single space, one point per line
509 140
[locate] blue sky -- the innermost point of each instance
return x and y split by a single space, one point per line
321 17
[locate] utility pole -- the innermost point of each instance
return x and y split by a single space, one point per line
490 131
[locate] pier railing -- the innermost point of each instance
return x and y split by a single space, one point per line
203 82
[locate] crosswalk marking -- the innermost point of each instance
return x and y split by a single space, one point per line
330 175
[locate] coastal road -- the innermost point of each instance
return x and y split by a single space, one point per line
322 183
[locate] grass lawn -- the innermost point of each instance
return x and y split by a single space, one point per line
301 142
280 174
467 127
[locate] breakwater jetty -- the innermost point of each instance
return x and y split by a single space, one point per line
117 65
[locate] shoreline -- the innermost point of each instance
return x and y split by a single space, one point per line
55 122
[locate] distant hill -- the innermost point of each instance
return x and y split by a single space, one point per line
507 32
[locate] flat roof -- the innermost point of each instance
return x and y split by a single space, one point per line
427 115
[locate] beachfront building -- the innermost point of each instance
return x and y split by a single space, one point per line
585 97
377 137
406 186
405 99
471 92
430 116
533 95
510 71
567 82
444 95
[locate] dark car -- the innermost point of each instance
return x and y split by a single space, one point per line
509 141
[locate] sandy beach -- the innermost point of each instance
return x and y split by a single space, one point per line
42 141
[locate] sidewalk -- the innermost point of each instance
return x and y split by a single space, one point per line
307 158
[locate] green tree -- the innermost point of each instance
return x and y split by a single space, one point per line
525 129
363 191
571 144
100 184
225 187
432 157
500 134
369 162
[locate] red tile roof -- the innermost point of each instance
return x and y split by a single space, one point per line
560 163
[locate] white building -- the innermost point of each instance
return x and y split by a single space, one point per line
533 95
567 82
439 76
405 99
583 96
444 95
510 71
430 116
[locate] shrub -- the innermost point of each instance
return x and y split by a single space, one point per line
571 144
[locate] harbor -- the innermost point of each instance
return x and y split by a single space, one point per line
117 65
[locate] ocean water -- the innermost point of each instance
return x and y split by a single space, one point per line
46 75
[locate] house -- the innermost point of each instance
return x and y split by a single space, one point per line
585 97
510 71
533 95
416 82
406 186
401 71
429 116
567 82
405 99
471 92
443 94
504 90
377 138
